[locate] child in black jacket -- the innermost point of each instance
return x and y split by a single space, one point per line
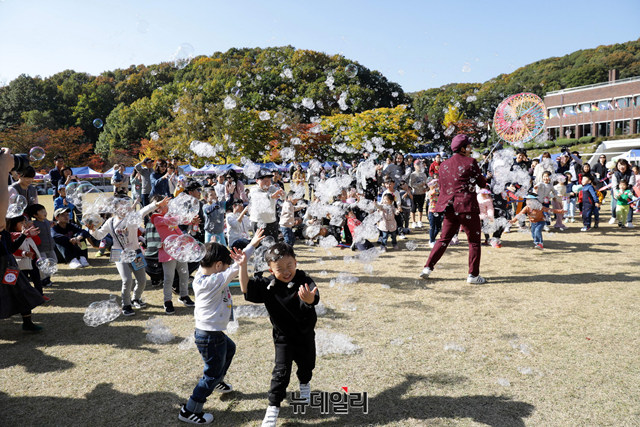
289 296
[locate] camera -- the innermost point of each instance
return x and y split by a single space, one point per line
20 162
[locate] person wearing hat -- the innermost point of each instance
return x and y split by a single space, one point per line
263 198
145 169
458 202
535 212
70 239
63 202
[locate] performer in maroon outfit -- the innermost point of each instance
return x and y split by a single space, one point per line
458 202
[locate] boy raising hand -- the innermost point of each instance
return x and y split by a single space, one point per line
289 296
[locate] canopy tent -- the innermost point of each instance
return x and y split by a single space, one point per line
614 149
631 156
109 173
86 172
424 155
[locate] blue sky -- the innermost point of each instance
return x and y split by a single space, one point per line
419 44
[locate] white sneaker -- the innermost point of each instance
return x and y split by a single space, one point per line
84 262
476 280
74 263
432 245
419 224
305 392
612 221
271 416
402 237
629 225
425 273
546 228
414 224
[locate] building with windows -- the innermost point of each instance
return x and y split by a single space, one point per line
602 109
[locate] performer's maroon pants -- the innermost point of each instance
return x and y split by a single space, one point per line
470 223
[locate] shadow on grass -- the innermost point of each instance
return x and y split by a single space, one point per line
392 406
570 279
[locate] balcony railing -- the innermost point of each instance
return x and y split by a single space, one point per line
571 89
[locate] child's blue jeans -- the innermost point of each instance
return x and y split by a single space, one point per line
219 238
435 225
536 232
217 351
385 236
287 234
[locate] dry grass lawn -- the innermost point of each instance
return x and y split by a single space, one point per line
552 340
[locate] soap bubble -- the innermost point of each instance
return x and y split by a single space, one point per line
236 91
48 266
101 312
184 248
229 103
183 55
17 204
308 103
351 70
157 332
264 115
466 68
287 153
92 219
36 154
155 136
279 117
98 123
77 192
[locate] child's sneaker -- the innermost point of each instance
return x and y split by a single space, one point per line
382 248
596 225
495 242
395 246
425 273
31 327
612 221
187 301
74 263
46 298
476 280
84 262
128 311
585 229
539 246
138 303
193 418
432 244
305 392
223 387
414 225
168 307
271 416
419 224
546 228
630 225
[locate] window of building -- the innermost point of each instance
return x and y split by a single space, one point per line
585 108
554 133
585 130
637 127
638 101
569 110
604 105
622 127
568 132
623 102
553 112
604 128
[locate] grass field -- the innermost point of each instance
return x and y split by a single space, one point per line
552 340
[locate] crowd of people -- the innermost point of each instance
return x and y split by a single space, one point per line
367 205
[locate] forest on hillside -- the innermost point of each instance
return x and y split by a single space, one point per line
254 102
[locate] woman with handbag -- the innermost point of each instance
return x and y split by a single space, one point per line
125 244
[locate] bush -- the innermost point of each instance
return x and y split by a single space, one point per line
586 139
566 141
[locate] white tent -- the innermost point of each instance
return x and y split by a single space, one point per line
615 149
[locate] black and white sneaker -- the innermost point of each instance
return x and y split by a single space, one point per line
168 307
223 387
187 301
138 303
128 311
193 418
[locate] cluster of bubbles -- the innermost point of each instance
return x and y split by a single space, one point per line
250 169
184 248
157 332
184 207
47 266
77 192
101 312
17 205
328 342
205 149
259 264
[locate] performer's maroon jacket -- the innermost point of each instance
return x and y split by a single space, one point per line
458 178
